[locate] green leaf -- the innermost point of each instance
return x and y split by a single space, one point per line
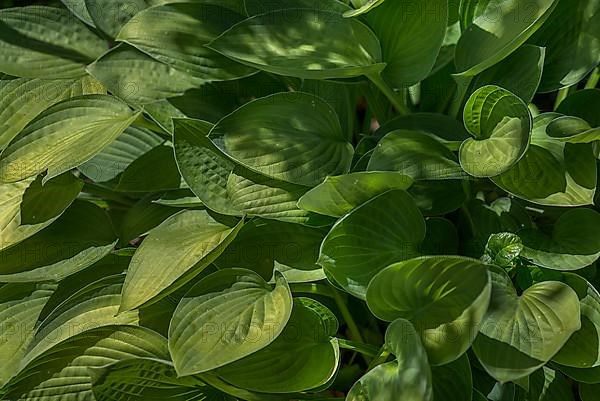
407 378
411 35
133 143
503 249
63 372
294 137
438 197
365 8
500 124
81 236
166 27
572 40
78 9
263 244
552 173
124 71
583 348
154 171
441 237
20 305
110 15
416 155
519 73
582 104
47 202
93 306
173 253
588 392
338 195
65 136
142 217
148 379
573 244
453 381
445 298
21 100
179 198
305 347
228 315
572 130
255 7
388 228
519 334
45 42
490 39
303 43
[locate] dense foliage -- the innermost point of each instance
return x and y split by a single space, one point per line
273 200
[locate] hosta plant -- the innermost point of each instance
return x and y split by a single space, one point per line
276 200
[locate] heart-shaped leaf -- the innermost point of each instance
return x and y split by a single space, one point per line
572 130
82 235
519 334
416 155
388 228
293 137
303 43
583 348
46 42
551 172
500 124
62 373
407 378
444 297
573 244
173 253
503 26
64 136
337 196
226 316
21 100
305 346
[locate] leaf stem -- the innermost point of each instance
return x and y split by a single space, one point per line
363 348
562 95
396 99
352 326
382 356
593 79
312 288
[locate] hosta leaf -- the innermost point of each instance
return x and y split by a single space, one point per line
142 218
338 195
438 197
116 157
365 8
407 378
65 136
154 171
573 244
441 237
45 42
571 37
62 373
582 104
588 392
411 34
305 347
519 334
519 73
180 198
110 15
81 236
453 381
160 31
551 172
21 100
583 348
503 249
228 188
500 124
262 244
588 376
20 305
294 137
173 253
489 39
255 7
303 43
124 70
444 297
46 202
572 130
416 155
93 306
228 315
148 379
388 228
78 8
